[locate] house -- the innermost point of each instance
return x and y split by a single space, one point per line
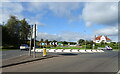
102 38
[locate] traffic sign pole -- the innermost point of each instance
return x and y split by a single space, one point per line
34 40
31 30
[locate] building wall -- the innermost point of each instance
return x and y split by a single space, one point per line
97 41
103 39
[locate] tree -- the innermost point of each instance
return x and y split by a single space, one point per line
5 36
46 41
41 40
13 29
102 43
65 43
24 31
81 41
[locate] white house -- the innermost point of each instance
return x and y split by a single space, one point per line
102 38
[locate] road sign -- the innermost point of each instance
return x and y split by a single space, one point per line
43 43
34 31
56 43
53 43
50 43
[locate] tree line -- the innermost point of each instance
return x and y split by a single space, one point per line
15 32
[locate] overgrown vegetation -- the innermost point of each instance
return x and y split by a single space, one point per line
15 32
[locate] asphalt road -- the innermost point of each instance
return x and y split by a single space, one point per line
12 53
81 62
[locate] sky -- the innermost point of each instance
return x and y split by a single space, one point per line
66 21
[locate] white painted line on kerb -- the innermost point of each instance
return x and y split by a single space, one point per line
52 50
94 50
74 50
82 51
67 50
89 51
59 50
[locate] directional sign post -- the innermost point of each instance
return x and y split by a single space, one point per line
34 36
31 28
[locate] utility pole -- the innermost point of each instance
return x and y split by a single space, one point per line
85 40
34 40
31 32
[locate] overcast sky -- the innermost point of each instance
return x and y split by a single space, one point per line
68 21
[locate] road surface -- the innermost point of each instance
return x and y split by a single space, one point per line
12 53
74 62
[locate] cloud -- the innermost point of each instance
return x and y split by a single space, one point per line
64 36
59 9
105 13
41 35
9 8
37 22
17 9
88 24
110 31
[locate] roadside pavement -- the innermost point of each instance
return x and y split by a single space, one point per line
24 59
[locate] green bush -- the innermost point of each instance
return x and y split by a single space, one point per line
89 46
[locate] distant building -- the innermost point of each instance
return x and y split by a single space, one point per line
102 38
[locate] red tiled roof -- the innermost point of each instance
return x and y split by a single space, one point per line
98 38
107 38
